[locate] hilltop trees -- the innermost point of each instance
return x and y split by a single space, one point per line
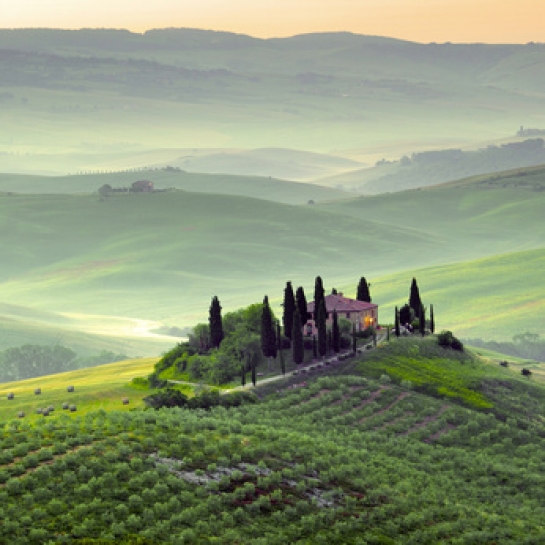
336 335
298 350
414 298
397 330
268 334
320 322
363 293
432 320
215 322
289 308
301 302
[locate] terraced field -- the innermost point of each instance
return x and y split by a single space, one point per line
340 460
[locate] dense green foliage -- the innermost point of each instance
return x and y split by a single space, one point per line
342 460
215 323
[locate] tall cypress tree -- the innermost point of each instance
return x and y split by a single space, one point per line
279 347
414 298
397 330
422 321
254 374
432 320
336 334
268 335
215 322
289 307
319 298
301 304
298 350
363 293
322 330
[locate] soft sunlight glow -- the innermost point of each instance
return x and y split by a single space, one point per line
514 21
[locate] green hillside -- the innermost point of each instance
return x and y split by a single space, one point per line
165 178
438 166
337 459
161 257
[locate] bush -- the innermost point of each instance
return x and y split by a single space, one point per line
166 398
447 340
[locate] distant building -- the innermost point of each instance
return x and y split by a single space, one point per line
142 186
362 314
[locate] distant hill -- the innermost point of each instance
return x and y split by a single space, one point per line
172 177
434 167
104 91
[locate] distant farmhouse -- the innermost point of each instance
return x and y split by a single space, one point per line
362 314
142 186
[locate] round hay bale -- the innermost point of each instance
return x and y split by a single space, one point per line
11 395
45 412
21 414
73 408
37 391
70 389
38 411
65 406
50 408
125 401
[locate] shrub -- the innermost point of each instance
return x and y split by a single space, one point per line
447 340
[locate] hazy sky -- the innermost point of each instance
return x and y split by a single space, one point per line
420 20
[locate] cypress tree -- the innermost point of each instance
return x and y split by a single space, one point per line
301 304
215 322
298 350
268 335
279 347
397 331
414 298
289 307
329 341
322 331
363 293
243 374
432 320
422 321
254 374
319 298
336 334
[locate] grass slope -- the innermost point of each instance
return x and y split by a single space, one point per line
102 387
247 186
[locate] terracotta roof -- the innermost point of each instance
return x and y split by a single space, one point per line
342 304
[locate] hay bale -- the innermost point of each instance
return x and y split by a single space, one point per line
21 414
125 401
70 389
73 408
65 406
37 391
11 395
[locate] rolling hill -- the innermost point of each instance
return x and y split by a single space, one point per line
97 93
109 265
335 459
170 177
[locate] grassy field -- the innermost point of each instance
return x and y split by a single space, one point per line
102 387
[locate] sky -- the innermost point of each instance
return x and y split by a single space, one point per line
493 21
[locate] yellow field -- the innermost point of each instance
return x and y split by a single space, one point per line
101 387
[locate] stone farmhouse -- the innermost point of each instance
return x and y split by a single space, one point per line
362 314
142 186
